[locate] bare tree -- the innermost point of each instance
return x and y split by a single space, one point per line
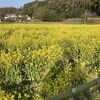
75 91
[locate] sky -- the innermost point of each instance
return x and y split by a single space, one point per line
13 3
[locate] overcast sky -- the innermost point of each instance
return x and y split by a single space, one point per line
13 3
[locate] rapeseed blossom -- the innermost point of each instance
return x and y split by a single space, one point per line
50 57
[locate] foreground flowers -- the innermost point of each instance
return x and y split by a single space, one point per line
37 61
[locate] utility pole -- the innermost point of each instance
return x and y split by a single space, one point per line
85 11
85 14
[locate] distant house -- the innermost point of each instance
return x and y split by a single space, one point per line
7 16
10 17
88 14
90 17
16 18
23 17
28 17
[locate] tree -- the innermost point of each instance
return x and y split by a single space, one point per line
8 10
96 7
61 9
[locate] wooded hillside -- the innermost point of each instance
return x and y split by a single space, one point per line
55 10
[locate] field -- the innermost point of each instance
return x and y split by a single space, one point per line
37 61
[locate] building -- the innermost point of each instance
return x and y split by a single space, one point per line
23 17
28 17
16 18
90 17
10 16
89 14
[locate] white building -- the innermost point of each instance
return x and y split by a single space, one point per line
25 17
16 18
28 18
10 16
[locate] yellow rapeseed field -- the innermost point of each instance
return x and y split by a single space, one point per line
40 60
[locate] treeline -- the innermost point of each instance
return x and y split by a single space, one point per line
10 10
56 10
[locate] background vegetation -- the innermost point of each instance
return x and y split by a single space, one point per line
55 10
